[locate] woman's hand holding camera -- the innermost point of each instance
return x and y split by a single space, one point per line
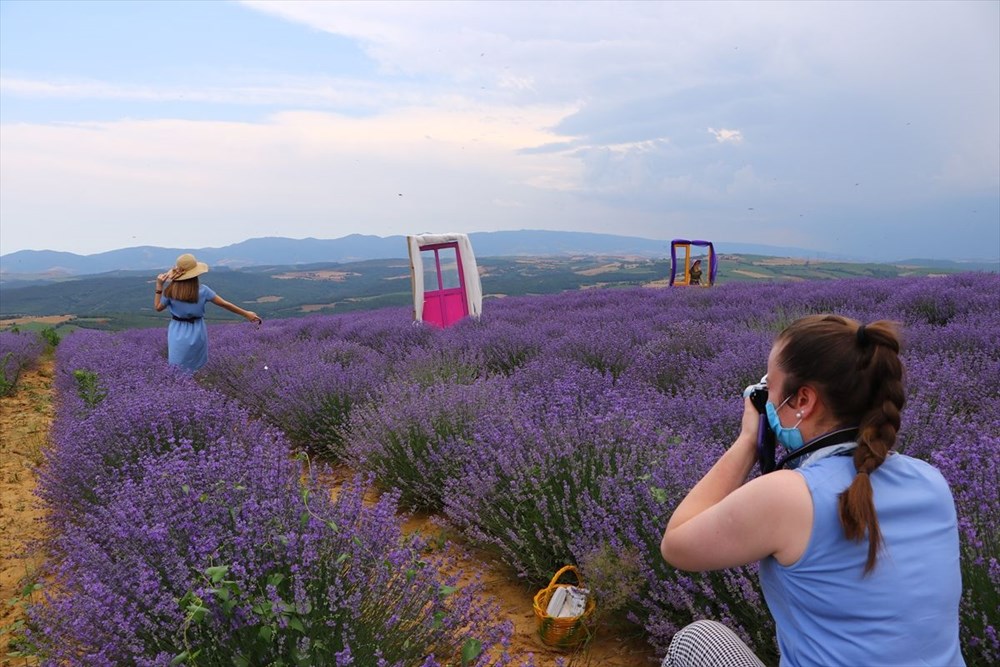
750 424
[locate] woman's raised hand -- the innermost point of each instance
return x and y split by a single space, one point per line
168 275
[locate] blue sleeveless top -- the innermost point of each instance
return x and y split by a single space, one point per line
905 612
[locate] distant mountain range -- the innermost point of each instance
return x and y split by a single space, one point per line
47 265
352 248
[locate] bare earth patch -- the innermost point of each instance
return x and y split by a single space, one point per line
24 426
752 274
783 261
597 270
335 276
267 299
51 320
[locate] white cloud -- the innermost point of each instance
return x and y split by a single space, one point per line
632 147
724 136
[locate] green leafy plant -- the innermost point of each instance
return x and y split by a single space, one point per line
7 384
19 644
50 336
88 387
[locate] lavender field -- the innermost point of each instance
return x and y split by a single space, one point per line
188 529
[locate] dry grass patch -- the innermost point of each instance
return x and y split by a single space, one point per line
753 274
334 276
50 320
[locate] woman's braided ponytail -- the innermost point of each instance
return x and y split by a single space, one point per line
858 370
881 372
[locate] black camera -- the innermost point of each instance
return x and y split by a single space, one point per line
757 393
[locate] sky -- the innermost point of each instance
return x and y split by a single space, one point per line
868 129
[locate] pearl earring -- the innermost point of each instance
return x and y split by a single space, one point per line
798 415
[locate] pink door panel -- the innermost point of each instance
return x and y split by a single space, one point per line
444 285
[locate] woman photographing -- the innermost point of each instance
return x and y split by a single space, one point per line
858 545
179 291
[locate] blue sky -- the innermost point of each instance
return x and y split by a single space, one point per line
866 129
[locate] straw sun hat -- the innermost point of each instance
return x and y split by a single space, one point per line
189 267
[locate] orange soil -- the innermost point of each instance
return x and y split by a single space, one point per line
24 424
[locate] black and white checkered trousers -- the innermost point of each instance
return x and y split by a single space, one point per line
709 644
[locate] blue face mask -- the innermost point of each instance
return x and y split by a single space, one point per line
790 438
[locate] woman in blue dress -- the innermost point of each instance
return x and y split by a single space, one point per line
179 291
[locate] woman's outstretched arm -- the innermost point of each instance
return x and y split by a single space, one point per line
233 308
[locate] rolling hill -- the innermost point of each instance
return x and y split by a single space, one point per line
123 299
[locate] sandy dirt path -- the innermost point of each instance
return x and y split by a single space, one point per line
24 425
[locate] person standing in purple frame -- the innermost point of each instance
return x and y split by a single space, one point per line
179 291
695 273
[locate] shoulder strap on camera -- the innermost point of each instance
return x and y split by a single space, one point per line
832 438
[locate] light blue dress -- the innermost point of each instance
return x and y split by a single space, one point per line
187 341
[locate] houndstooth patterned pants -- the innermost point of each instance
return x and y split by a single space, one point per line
709 644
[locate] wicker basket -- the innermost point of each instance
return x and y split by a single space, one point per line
562 632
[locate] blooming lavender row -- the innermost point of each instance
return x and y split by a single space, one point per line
186 533
565 428
18 351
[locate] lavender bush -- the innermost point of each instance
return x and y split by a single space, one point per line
415 439
187 534
972 469
542 460
111 421
621 534
308 387
215 559
18 351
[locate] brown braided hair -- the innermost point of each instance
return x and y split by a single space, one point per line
857 370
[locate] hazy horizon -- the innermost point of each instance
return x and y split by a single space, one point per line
722 246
